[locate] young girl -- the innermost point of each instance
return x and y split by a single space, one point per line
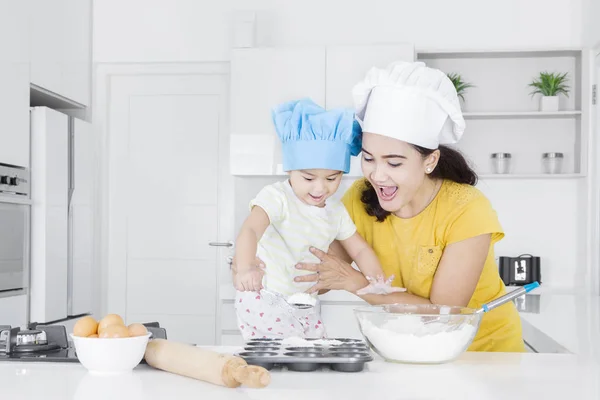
288 217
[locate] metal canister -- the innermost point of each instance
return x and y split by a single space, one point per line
552 162
501 163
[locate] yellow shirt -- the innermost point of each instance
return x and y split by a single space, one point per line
411 249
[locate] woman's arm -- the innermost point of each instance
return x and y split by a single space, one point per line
459 271
455 279
453 284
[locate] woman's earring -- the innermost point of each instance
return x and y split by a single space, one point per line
428 170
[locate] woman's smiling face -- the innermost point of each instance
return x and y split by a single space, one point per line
395 169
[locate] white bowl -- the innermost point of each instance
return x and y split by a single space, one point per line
107 356
418 333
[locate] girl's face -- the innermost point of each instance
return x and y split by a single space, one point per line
396 170
314 186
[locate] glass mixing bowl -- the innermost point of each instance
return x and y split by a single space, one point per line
418 333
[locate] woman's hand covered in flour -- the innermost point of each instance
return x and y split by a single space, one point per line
380 285
331 273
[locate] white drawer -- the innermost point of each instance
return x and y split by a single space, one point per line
228 317
232 340
13 311
340 321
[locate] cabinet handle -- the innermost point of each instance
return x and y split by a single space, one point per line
221 244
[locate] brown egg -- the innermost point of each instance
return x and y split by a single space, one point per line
110 319
137 330
95 335
86 326
115 331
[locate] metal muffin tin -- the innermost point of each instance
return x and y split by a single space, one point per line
350 356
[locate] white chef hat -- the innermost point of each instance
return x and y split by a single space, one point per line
410 102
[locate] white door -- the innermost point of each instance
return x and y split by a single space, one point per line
165 176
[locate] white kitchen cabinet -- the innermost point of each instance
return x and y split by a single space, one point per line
14 83
261 79
347 65
13 311
49 215
14 113
14 31
340 321
76 71
60 47
81 219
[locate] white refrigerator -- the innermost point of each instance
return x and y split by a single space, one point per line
62 167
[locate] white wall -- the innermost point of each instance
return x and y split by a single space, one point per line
199 30
591 22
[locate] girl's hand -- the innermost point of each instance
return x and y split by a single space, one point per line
249 279
247 275
331 273
257 263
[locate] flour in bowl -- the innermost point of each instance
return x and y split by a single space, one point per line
409 340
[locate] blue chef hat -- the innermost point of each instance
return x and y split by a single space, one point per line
314 138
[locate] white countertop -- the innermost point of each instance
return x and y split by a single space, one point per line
572 320
474 376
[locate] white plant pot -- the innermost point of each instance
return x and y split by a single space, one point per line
549 103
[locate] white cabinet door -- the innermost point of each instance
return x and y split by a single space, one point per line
14 113
13 311
47 44
339 320
76 66
260 80
60 43
49 214
81 219
14 83
14 31
347 65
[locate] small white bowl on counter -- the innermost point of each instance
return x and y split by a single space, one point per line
110 356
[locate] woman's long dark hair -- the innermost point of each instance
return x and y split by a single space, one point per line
451 165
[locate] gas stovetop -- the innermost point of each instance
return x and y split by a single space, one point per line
48 343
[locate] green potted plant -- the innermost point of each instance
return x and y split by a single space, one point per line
550 85
460 85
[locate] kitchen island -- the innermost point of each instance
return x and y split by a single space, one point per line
474 376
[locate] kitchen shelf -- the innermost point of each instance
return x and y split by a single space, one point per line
521 114
524 52
531 176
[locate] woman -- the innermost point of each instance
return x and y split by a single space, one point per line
418 207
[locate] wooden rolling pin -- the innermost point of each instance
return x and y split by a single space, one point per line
205 365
